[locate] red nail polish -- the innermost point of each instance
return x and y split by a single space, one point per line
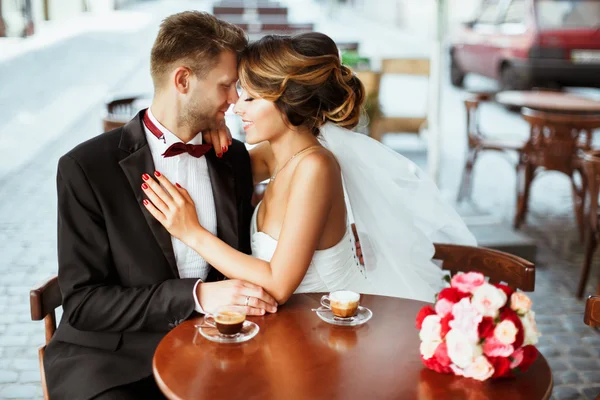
224 149
144 186
157 173
145 202
220 155
178 185
145 177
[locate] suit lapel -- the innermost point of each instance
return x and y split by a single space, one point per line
223 185
138 162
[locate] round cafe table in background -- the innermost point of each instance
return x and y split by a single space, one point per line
297 356
548 101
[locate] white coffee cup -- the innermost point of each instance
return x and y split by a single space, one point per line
343 303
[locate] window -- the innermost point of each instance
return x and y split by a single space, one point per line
515 14
568 14
489 13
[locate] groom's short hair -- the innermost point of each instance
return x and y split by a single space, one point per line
195 39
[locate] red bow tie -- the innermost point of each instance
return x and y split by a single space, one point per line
195 150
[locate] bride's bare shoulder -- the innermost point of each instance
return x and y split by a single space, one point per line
319 164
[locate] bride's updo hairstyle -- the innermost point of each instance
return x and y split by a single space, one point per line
303 76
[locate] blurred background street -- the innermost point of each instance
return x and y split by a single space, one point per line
55 83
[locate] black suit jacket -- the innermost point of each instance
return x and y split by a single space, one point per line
117 273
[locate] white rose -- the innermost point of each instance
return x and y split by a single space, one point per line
531 334
480 369
488 299
506 332
460 349
428 349
431 329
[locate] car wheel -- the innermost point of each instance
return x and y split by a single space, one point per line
510 79
457 76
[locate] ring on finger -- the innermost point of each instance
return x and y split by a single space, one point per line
247 301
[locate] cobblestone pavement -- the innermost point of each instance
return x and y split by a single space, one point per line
28 204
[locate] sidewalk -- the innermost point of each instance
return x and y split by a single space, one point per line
52 100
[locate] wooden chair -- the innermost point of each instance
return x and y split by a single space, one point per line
556 143
477 142
387 124
591 167
120 110
44 299
499 266
592 312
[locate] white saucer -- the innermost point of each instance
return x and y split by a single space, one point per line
249 330
363 314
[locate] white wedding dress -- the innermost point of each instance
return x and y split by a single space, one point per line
335 268
399 214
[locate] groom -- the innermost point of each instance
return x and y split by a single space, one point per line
125 281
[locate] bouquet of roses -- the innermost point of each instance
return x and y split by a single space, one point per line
478 330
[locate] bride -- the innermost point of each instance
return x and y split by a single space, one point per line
298 103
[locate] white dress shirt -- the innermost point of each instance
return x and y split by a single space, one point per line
192 174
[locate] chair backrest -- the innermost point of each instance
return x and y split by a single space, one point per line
120 110
499 266
557 140
405 66
472 103
591 167
592 311
44 299
399 123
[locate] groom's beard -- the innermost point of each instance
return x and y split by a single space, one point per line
196 119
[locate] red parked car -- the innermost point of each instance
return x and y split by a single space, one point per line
526 43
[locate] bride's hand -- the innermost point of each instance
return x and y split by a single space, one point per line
172 206
220 138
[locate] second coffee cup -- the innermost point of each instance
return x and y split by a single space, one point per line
343 303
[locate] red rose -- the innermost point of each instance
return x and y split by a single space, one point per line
486 327
434 365
529 355
511 315
501 366
441 355
445 322
424 313
506 290
452 294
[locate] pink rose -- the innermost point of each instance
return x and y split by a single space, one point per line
443 307
487 300
480 369
517 357
441 354
506 332
520 302
492 347
467 282
466 319
428 349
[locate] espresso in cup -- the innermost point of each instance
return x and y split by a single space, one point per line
228 320
343 303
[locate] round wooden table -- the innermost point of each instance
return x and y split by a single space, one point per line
297 356
548 101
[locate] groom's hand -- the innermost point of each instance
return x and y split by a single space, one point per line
359 252
212 295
